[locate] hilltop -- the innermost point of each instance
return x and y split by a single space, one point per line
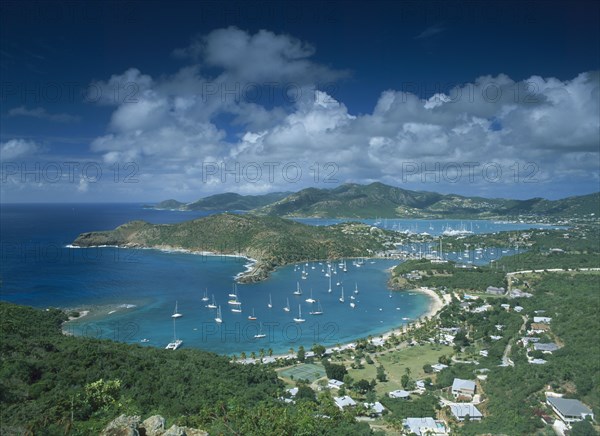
379 200
271 241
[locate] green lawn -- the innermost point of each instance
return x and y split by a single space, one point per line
395 363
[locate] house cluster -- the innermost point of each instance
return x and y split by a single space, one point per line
495 291
533 342
425 426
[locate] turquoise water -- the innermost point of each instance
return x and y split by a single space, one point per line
140 287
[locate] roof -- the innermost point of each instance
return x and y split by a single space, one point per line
344 401
460 384
376 407
550 346
336 383
293 391
569 407
460 410
416 424
399 394
439 366
544 319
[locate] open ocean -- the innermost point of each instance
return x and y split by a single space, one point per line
132 293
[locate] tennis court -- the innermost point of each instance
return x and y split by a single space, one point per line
308 371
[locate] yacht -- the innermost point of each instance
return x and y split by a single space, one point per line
205 298
298 291
319 310
176 342
212 305
287 308
176 314
299 319
218 318
310 300
342 297
252 317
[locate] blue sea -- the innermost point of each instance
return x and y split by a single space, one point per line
132 293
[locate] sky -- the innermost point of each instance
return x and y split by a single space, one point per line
145 101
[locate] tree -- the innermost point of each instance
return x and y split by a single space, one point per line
582 428
362 386
381 376
319 350
371 397
306 392
270 352
427 369
301 354
404 380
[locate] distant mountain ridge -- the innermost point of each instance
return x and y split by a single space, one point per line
379 200
225 201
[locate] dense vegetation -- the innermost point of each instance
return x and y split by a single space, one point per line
272 241
447 275
379 200
46 376
226 201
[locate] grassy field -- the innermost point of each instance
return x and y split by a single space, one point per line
395 363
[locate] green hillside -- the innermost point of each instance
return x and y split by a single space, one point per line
272 241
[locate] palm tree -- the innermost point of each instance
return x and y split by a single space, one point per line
243 355
253 355
270 352
261 353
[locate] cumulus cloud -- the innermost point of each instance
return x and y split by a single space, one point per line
176 123
17 148
43 114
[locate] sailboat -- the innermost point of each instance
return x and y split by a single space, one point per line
260 334
342 297
233 294
299 319
270 305
237 308
355 288
319 310
298 291
287 308
218 318
175 313
252 317
176 342
311 299
212 305
329 290
352 304
345 269
205 298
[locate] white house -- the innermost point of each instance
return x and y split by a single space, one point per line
399 394
461 410
425 426
374 409
569 410
542 319
334 384
438 367
344 401
463 388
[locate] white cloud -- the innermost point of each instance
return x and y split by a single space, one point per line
178 122
43 114
17 148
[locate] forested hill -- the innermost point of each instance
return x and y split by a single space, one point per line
272 241
48 377
378 200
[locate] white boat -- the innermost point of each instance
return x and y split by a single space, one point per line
310 300
342 297
299 319
176 342
212 305
352 297
329 290
145 340
345 269
319 310
233 294
218 318
298 291
252 317
287 308
205 298
237 308
270 305
176 314
260 334
352 305
356 288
